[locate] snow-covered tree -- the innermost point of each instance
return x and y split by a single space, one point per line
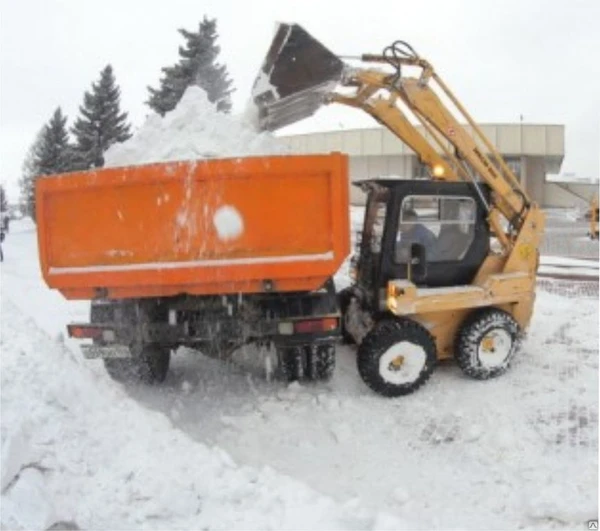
101 123
197 66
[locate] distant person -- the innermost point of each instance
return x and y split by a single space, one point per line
411 231
1 240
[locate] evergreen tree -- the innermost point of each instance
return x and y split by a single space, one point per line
101 123
54 154
197 66
49 154
29 172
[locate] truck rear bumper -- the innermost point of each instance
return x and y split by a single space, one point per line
92 352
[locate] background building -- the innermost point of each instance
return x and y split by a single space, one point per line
532 151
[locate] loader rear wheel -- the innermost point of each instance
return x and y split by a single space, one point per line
396 357
486 343
150 366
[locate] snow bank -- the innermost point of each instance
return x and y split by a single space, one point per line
193 130
105 462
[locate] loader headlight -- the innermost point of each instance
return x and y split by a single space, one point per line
392 304
438 170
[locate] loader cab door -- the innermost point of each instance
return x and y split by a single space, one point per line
371 242
437 234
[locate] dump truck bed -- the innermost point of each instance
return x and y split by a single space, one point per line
217 226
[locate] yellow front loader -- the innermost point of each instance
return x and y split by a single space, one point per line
446 267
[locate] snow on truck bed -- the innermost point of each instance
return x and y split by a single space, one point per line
193 130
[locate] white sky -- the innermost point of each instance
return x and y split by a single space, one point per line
538 58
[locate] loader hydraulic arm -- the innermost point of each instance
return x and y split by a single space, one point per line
464 155
300 74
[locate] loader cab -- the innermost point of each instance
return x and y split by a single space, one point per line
429 232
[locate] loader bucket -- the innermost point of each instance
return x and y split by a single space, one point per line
294 78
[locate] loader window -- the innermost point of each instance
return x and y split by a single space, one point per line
375 220
444 225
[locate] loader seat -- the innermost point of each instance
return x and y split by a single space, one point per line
453 242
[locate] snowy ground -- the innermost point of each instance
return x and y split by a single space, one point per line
220 447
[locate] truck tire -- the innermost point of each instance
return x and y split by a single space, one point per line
321 362
486 343
344 299
121 370
396 357
292 364
151 366
307 363
154 363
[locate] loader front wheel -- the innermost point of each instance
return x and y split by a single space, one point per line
486 343
396 357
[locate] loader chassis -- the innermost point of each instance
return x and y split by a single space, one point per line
445 268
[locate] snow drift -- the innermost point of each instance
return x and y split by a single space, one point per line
83 451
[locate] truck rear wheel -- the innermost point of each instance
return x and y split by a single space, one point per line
306 363
344 299
486 343
396 357
321 362
150 366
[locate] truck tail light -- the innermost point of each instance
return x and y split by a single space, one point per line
316 325
84 331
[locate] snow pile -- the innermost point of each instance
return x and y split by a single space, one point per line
193 130
91 455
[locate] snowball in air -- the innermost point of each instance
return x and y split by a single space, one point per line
228 222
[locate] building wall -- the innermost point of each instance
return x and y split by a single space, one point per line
531 150
533 175
530 169
372 166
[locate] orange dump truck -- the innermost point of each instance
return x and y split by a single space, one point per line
211 254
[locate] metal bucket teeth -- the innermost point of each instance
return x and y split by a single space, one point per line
297 73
